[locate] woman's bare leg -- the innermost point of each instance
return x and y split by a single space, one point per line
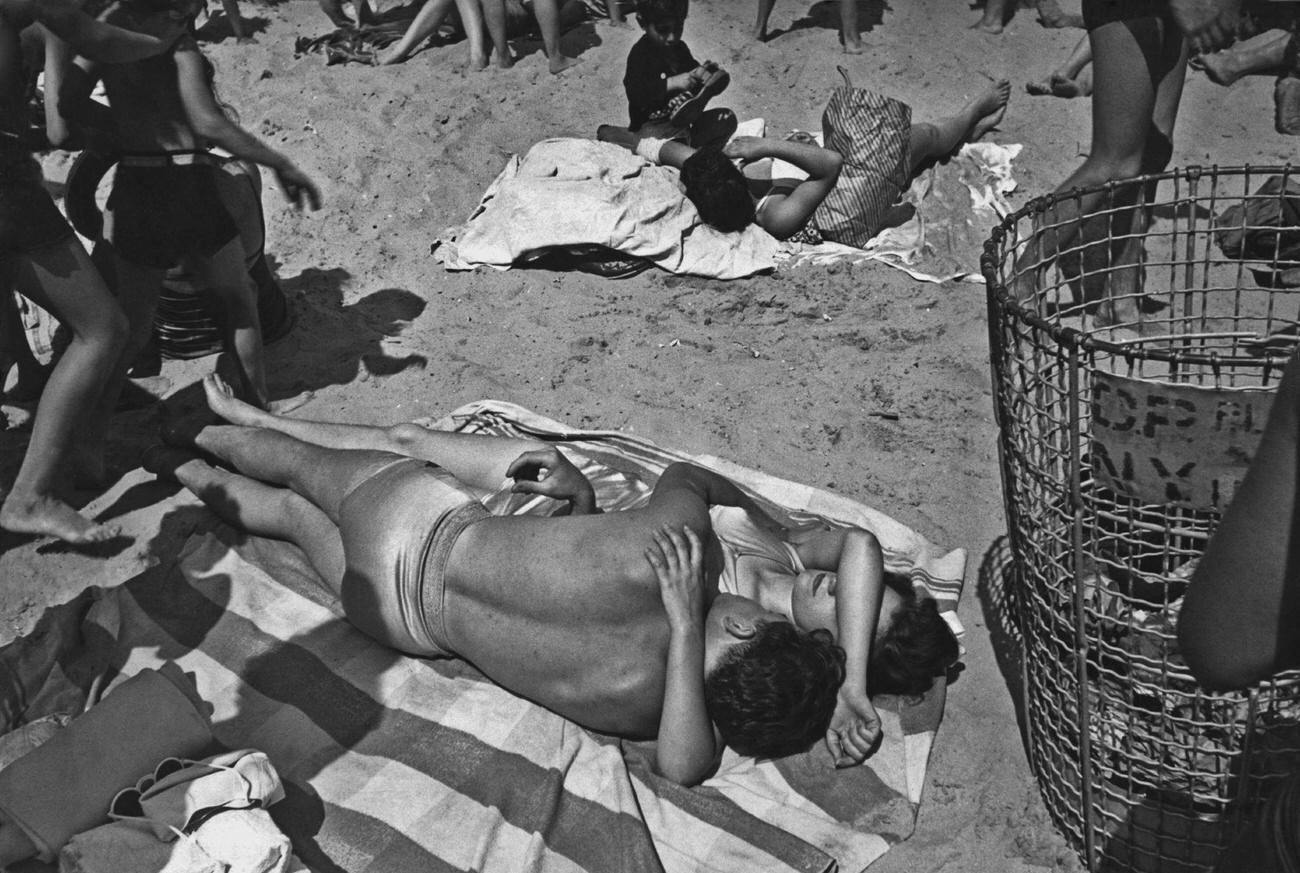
225 276
494 17
764 13
1136 65
477 460
426 21
257 508
62 279
994 17
548 20
471 20
935 139
850 39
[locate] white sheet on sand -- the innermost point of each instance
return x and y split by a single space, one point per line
575 192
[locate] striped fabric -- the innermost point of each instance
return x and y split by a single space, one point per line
398 764
872 133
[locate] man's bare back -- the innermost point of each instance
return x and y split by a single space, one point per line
567 612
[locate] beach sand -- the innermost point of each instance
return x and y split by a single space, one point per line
854 378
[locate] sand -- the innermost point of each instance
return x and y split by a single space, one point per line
853 378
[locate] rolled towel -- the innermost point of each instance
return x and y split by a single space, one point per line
65 786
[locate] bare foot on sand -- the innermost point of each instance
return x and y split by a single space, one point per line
990 105
505 62
1051 15
222 401
47 516
994 27
1286 105
390 56
560 63
1061 85
477 63
854 47
1221 68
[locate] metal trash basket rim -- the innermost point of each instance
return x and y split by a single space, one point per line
1073 336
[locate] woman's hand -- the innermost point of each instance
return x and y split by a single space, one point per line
855 729
549 473
746 148
676 556
298 187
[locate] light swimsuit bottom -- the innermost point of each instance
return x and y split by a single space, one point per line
398 529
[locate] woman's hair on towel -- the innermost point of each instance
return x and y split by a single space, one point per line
917 646
775 695
718 190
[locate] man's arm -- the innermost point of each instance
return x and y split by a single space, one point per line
711 489
1240 620
98 40
689 746
547 471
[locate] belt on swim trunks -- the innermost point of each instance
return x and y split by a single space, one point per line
167 159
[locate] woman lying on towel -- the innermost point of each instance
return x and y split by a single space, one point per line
872 152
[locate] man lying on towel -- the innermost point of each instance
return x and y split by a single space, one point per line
606 619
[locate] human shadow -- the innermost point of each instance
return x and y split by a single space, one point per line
218 28
825 15
996 590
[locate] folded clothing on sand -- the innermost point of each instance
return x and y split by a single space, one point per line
65 785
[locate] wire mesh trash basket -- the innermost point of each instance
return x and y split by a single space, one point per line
1133 373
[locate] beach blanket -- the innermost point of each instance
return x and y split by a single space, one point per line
566 193
394 764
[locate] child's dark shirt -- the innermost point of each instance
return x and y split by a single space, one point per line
649 65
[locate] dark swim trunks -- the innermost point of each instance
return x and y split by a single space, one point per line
163 212
1099 12
29 220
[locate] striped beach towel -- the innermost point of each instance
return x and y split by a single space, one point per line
399 764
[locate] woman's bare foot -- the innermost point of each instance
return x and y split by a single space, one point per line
505 61
289 404
990 106
560 63
853 46
222 401
994 27
1221 68
47 516
477 63
389 56
1286 105
1061 85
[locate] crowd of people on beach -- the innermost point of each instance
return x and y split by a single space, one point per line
359 500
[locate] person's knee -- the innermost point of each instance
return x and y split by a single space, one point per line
403 436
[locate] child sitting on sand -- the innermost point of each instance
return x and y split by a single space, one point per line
667 88
872 151
165 206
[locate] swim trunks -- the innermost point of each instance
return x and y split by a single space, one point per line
398 529
873 134
163 211
29 220
1099 12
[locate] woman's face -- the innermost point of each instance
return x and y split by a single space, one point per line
813 602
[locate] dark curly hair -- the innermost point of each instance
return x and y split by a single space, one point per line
655 11
718 190
917 647
775 695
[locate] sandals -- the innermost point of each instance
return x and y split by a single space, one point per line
685 113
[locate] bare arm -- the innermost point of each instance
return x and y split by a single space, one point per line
711 489
859 591
105 42
689 746
786 215
211 123
547 471
1240 621
57 59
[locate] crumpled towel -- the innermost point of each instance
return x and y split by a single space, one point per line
65 785
577 192
234 841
